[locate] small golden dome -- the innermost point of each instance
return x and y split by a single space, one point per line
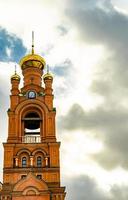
48 76
15 77
32 60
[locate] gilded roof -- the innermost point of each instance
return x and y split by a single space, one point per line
48 76
15 77
32 60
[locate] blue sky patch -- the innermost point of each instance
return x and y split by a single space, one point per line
11 47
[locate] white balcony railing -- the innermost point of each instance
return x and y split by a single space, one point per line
31 139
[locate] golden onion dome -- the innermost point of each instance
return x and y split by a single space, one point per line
15 77
48 76
32 60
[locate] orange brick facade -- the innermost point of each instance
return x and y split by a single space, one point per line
31 154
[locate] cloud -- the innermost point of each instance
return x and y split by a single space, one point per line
63 30
11 47
119 192
3 121
63 78
63 69
100 118
109 125
83 187
98 23
4 101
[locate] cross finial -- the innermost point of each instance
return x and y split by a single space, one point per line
32 42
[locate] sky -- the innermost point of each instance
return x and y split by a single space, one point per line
85 43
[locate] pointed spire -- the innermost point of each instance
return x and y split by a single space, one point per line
27 61
47 69
15 70
48 75
15 76
32 42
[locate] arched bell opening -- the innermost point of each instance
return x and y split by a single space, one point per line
32 124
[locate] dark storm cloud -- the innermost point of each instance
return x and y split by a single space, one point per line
119 192
11 47
103 118
108 124
97 22
83 188
98 26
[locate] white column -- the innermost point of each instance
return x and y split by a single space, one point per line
16 161
31 160
46 161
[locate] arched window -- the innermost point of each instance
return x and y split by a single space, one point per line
39 161
24 162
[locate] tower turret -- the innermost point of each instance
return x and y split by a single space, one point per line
48 79
15 81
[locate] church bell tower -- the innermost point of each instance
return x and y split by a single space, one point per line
31 154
